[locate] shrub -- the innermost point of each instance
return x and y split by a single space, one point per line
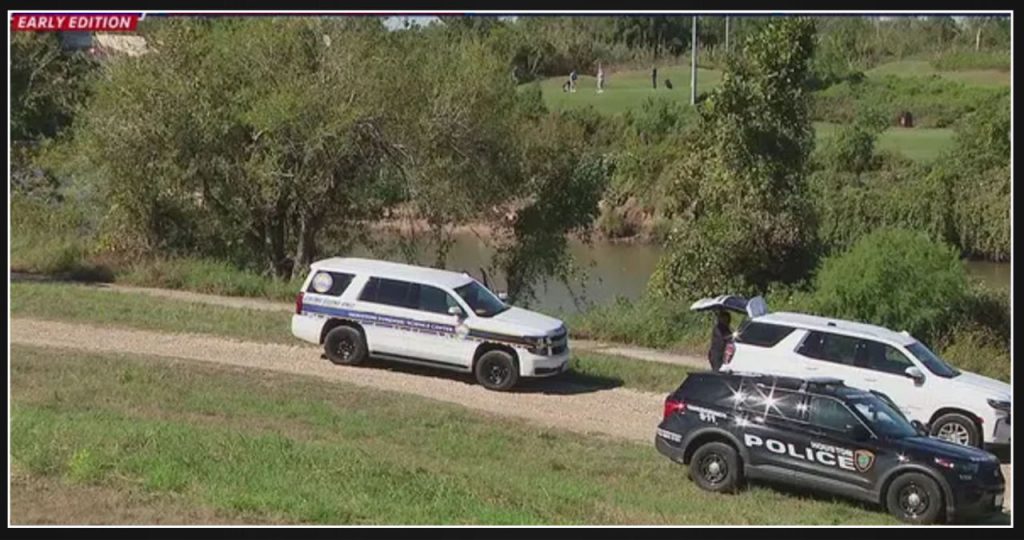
933 101
969 59
895 278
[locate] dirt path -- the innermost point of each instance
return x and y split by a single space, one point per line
616 412
628 351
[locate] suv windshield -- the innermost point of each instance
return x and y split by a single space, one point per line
480 300
934 364
883 419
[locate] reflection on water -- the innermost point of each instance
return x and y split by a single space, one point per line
609 270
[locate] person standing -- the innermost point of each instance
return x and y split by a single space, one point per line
720 335
572 81
654 77
600 78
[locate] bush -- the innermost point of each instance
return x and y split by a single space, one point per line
208 276
933 101
648 322
979 350
895 278
969 59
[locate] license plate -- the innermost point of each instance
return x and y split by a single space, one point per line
998 501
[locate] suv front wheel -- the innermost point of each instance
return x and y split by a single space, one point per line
914 498
956 428
715 466
497 370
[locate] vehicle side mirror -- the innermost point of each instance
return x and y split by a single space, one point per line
503 296
457 311
921 429
915 373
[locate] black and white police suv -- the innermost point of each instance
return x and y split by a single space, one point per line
358 308
826 436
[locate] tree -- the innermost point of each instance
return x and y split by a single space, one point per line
737 199
47 84
242 137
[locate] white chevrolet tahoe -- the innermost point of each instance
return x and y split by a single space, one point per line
955 405
358 308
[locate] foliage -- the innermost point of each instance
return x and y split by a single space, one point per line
48 84
894 278
933 101
739 196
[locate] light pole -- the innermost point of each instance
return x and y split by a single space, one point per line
726 34
693 63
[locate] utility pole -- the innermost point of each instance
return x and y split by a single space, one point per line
693 64
726 34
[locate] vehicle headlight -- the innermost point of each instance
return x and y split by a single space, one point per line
999 404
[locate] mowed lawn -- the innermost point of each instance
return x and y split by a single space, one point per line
918 144
89 305
626 90
231 445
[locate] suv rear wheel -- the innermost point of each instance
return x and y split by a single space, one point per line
956 428
715 466
345 346
914 498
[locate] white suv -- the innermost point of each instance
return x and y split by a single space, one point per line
357 308
956 405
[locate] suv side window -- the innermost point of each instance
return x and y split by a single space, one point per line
834 416
432 300
763 334
763 400
887 359
391 292
329 283
830 348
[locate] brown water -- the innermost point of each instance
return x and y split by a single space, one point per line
611 270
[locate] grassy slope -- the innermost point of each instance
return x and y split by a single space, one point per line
287 448
84 304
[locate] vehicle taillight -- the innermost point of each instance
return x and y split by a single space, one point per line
298 304
673 406
730 349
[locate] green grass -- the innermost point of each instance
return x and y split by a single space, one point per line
297 449
924 68
919 144
625 90
88 305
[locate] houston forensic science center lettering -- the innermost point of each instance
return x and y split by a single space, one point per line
832 456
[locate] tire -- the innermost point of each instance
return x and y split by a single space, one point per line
345 346
497 370
957 428
715 467
915 498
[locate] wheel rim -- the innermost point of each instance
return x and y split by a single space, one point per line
345 348
497 373
954 432
714 468
913 500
